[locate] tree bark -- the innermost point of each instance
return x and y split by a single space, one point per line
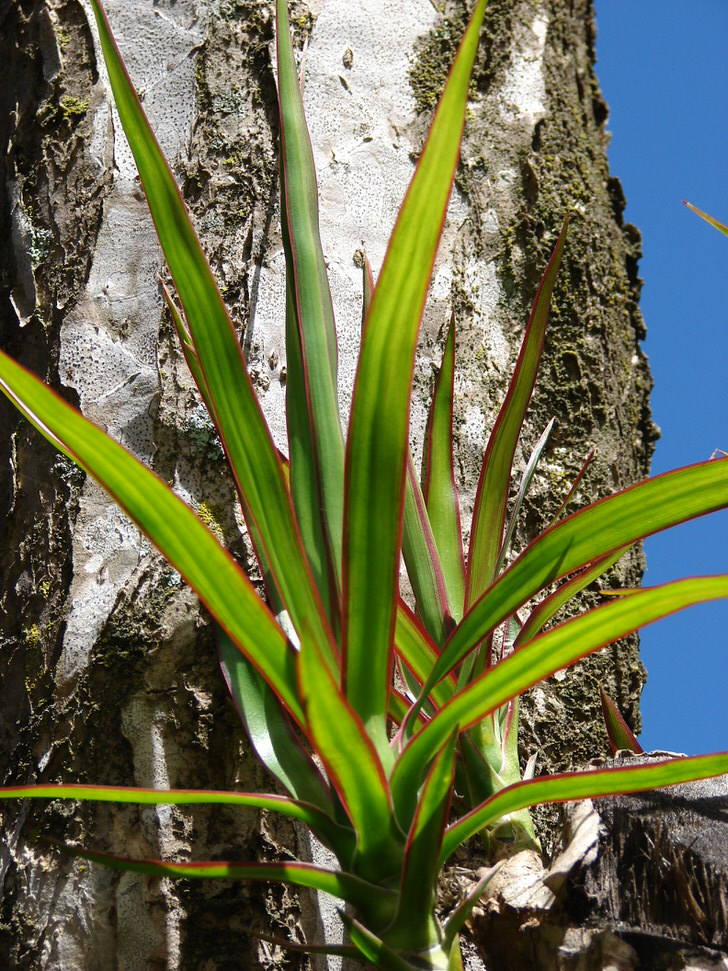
107 662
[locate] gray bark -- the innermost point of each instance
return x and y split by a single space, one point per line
107 663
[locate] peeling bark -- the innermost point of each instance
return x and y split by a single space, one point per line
107 664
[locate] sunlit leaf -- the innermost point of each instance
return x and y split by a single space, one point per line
540 658
351 761
438 485
377 442
569 786
245 435
169 523
721 227
486 535
619 732
307 277
583 537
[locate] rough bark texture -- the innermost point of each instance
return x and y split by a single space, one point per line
640 883
107 664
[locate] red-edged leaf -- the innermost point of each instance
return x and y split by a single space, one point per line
423 562
414 927
419 652
619 732
540 658
314 313
245 436
583 537
547 608
439 486
377 441
169 523
304 812
375 951
305 485
491 499
574 486
351 889
569 786
352 764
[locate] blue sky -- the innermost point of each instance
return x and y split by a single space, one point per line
664 72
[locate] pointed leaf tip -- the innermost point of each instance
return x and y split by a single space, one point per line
619 732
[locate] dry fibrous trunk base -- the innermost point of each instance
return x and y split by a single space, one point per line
644 889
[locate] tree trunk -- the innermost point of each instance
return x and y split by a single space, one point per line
107 663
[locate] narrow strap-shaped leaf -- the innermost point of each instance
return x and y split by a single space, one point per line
540 658
377 441
192 361
414 927
314 311
305 485
486 535
373 948
569 786
244 433
351 762
270 733
423 561
721 227
439 486
522 492
620 734
340 950
189 352
345 886
574 486
169 523
584 536
419 652
545 610
308 814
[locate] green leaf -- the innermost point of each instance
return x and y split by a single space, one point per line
169 523
415 928
489 513
438 486
598 530
345 886
308 814
457 918
540 658
373 948
423 561
377 441
307 273
547 608
247 441
522 492
619 732
419 653
721 227
305 486
570 786
270 733
352 764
